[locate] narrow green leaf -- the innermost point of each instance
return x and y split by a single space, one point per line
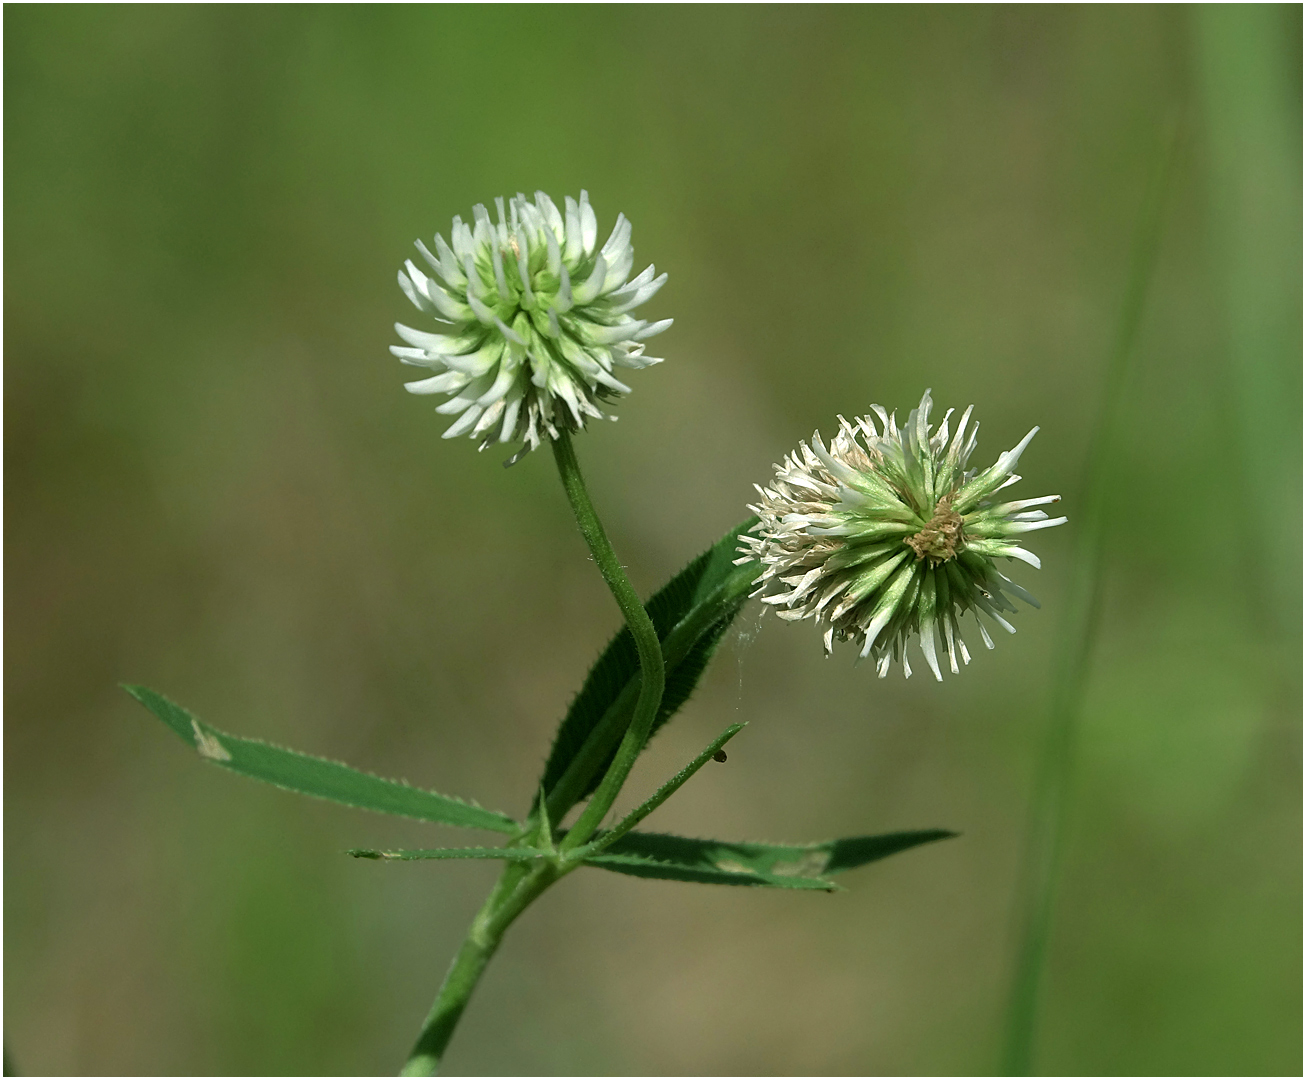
316 776
606 840
854 851
690 614
726 874
508 854
772 860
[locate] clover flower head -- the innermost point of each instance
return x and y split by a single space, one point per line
535 320
887 535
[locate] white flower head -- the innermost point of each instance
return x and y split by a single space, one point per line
888 535
535 320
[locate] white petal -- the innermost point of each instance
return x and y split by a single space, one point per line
928 647
496 258
633 360
620 234
583 294
877 624
510 413
652 329
463 423
432 343
555 253
551 216
950 636
565 299
508 332
619 264
1021 504
1032 526
1014 552
589 226
610 335
574 247
634 284
417 298
631 300
446 383
1006 462
476 363
419 357
488 419
1017 590
450 266
499 387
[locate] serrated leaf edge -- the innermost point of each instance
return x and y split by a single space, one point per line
744 874
214 754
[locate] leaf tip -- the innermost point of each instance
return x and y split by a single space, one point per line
138 692
930 836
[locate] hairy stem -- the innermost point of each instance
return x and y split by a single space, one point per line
520 885
1052 782
602 740
651 673
516 889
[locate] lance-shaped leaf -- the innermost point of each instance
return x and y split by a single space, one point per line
317 776
509 854
690 614
682 858
705 874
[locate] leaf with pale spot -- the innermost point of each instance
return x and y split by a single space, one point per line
316 776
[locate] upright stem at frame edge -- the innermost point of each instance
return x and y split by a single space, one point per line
1054 773
518 886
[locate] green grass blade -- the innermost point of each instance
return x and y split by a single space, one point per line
690 614
666 790
316 776
413 854
1246 61
1036 890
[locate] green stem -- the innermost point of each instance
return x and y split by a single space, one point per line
520 885
602 740
652 674
1052 783
517 887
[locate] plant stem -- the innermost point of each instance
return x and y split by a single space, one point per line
520 884
1052 782
513 893
652 674
1243 60
603 739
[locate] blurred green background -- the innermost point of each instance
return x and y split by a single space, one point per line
215 485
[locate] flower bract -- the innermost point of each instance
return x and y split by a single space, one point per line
887 535
535 320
